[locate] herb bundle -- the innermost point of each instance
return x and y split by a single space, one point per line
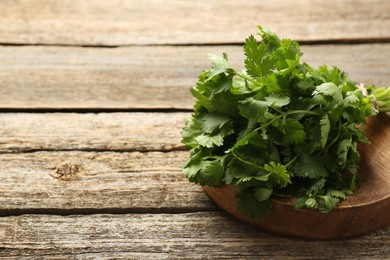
278 128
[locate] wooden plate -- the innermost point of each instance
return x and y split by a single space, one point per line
367 210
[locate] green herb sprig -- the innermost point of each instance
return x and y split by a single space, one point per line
279 127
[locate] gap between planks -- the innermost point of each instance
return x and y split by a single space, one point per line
303 42
94 110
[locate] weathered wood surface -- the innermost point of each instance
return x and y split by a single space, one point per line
90 182
185 236
129 163
21 132
144 77
119 22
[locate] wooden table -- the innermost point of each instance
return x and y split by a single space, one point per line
93 95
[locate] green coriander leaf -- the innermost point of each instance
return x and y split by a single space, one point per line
253 50
240 86
316 187
211 173
191 170
202 99
194 164
336 194
328 89
342 150
257 63
255 109
271 40
249 149
311 203
308 166
227 178
275 83
288 54
209 141
301 202
293 131
278 174
252 180
333 74
325 128
227 129
192 129
273 153
251 125
353 153
219 83
236 169
277 101
212 122
220 65
328 203
308 201
351 100
248 138
262 193
347 191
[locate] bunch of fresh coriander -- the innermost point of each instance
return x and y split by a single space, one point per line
278 128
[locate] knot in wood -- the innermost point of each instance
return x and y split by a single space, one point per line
66 171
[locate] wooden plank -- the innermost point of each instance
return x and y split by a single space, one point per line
21 132
119 22
184 236
90 182
144 77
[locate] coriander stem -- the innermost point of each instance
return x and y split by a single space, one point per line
379 90
247 78
291 161
333 141
382 93
286 114
383 103
353 182
303 112
268 123
384 109
382 96
246 162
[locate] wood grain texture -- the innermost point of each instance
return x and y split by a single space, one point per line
118 22
144 77
90 182
21 132
168 236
